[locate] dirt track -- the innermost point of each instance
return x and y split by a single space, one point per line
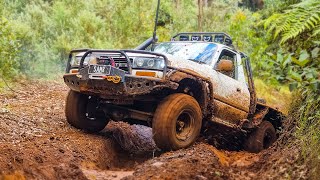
37 143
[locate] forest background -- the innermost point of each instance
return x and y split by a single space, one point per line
282 38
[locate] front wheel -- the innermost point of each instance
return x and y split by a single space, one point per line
81 113
261 138
177 122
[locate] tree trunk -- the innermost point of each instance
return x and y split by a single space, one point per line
177 3
200 15
254 5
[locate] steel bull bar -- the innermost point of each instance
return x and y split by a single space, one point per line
131 85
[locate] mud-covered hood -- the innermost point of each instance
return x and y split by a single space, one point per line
177 62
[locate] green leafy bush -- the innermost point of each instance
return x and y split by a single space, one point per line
294 53
48 30
299 71
9 47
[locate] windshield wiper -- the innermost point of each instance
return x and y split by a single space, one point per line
200 62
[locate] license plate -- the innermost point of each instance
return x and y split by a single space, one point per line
100 69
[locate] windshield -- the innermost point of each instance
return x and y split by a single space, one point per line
201 52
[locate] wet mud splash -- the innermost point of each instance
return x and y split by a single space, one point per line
37 143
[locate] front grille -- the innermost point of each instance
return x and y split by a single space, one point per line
120 62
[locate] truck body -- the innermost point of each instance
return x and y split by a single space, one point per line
174 87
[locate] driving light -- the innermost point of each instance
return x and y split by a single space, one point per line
150 63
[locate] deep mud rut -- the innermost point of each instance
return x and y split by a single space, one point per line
37 143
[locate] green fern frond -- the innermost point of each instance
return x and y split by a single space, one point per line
300 18
317 31
270 20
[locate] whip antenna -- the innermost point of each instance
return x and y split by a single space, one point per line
154 38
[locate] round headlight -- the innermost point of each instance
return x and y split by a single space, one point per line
93 60
77 60
140 62
150 63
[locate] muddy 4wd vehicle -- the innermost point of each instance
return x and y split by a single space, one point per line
174 87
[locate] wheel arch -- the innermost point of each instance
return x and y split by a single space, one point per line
195 86
274 116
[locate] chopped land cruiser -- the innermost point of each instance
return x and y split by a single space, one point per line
174 87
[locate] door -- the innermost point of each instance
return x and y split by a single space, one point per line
231 96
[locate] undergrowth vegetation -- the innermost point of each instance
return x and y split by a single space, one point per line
295 59
306 115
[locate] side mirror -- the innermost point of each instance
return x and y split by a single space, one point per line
225 65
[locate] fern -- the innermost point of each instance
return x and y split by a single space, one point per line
298 19
316 31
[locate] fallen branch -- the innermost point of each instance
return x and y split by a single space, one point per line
5 82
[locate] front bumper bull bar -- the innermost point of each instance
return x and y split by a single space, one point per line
132 85
121 53
129 86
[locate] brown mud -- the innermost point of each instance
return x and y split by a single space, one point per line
36 142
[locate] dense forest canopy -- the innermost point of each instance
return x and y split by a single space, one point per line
41 33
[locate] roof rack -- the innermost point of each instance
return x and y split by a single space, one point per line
218 37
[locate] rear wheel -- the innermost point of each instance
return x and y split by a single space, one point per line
261 138
177 122
81 112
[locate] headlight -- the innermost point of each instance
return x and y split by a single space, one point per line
86 60
148 63
92 60
139 62
76 60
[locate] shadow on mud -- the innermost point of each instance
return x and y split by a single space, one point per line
126 146
223 138
135 142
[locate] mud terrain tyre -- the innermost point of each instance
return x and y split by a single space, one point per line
77 116
261 138
177 122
